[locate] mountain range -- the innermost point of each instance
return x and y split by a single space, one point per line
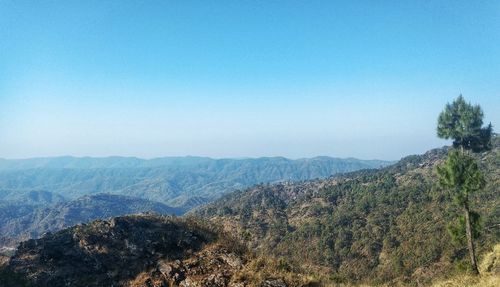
47 194
176 181
383 227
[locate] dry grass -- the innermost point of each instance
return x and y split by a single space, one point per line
263 268
489 269
471 281
491 262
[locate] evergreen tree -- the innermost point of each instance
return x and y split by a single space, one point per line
463 122
460 174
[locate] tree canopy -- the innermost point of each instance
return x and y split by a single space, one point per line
461 175
463 123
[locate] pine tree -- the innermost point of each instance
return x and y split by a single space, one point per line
460 174
463 122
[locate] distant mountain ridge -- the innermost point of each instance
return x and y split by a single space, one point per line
31 197
135 162
175 181
47 194
99 162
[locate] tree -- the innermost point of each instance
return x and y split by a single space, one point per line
460 174
463 122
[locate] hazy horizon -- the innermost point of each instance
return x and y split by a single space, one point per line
236 80
186 156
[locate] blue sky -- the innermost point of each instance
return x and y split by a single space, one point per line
240 78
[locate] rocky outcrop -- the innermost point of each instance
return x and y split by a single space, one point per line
213 266
121 251
22 221
132 251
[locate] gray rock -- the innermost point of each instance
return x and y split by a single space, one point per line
274 283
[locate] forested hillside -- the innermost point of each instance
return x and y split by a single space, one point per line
387 225
182 181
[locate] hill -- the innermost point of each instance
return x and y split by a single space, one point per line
140 250
20 221
152 250
176 181
377 226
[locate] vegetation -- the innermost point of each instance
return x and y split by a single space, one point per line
181 182
11 279
144 250
490 273
373 226
382 227
393 226
463 122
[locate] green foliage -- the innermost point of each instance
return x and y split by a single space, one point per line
461 175
11 279
463 122
370 225
246 235
456 228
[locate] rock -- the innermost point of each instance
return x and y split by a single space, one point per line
188 283
104 253
274 283
165 269
216 280
232 260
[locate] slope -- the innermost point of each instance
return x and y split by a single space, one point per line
387 225
139 250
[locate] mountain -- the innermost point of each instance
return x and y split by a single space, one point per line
27 210
30 197
140 250
20 221
384 227
377 226
175 181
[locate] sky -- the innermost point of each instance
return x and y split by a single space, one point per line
363 79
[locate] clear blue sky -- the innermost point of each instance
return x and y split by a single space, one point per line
240 78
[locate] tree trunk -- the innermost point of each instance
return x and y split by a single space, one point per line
470 243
